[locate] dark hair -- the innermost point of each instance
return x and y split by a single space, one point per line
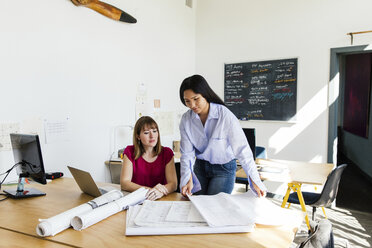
199 85
141 124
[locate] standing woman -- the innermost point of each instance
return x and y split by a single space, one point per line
211 133
148 164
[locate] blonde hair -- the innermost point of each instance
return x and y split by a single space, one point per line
144 121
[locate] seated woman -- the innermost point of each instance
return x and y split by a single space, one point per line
148 164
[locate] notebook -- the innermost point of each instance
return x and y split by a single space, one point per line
86 182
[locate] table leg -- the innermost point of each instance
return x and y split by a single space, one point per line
297 187
324 213
285 199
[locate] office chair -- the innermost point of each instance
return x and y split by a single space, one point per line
178 173
258 152
115 170
326 197
250 134
321 235
261 153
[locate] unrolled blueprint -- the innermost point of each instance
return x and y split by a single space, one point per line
222 213
240 209
157 224
168 214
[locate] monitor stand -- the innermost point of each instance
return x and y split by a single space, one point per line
21 192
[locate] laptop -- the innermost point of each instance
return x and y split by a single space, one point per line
86 182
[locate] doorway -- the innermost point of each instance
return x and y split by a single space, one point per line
336 96
344 146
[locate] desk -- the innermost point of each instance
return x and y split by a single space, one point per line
15 239
62 194
298 173
114 167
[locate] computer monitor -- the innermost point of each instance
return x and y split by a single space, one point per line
250 134
27 153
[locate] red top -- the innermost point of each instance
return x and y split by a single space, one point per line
149 174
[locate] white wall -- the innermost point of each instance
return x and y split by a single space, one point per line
255 30
60 61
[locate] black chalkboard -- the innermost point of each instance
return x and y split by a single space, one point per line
264 90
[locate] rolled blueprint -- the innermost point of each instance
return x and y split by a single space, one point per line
62 221
86 219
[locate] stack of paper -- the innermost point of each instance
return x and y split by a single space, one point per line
167 217
222 213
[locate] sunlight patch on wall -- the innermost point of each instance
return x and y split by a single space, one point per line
305 116
316 159
334 89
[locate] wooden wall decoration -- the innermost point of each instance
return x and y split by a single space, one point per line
106 10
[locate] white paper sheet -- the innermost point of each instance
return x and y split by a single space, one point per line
241 209
62 221
222 210
86 219
155 214
183 211
265 212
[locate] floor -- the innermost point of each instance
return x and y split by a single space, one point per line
351 228
351 218
355 188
